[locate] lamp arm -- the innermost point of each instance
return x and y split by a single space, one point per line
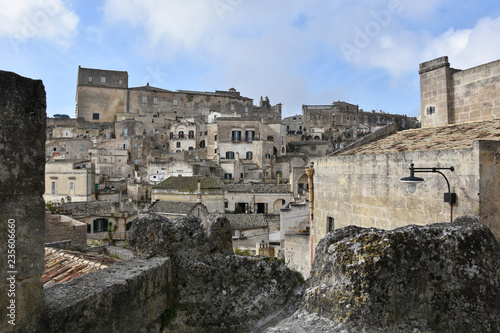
447 182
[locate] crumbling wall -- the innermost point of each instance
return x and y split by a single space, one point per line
130 296
22 219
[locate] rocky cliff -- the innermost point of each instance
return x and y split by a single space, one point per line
441 277
215 290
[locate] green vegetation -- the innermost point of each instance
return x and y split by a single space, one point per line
111 232
167 316
299 277
241 252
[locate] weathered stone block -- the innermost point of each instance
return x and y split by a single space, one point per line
22 161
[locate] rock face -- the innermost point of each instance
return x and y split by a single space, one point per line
215 290
22 209
442 277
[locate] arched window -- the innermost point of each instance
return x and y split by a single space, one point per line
191 134
181 134
202 144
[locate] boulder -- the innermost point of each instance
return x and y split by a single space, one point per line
215 290
442 277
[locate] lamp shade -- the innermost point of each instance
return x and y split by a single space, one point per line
412 182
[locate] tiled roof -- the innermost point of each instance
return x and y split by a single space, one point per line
246 221
189 184
432 138
96 208
173 207
258 188
64 265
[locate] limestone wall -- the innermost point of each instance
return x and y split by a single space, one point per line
489 184
293 219
365 190
435 82
298 254
126 297
60 228
22 209
452 96
476 93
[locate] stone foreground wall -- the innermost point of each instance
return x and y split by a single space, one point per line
22 163
130 296
442 277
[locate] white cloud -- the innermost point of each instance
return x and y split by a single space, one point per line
467 47
264 47
21 21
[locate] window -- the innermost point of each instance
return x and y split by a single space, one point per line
125 132
366 119
249 135
95 116
175 102
71 186
215 137
190 148
120 82
135 146
191 134
270 138
347 117
431 110
171 135
300 128
330 224
226 204
53 188
177 144
144 99
249 155
80 148
100 224
90 78
236 136
229 155
155 100
268 156
181 134
105 160
215 151
228 176
103 79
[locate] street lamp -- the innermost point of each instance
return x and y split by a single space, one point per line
413 181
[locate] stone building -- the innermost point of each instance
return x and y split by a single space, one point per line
175 209
453 96
256 198
205 190
99 215
341 116
104 96
69 180
70 148
244 147
294 124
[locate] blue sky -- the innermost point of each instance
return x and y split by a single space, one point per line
295 52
